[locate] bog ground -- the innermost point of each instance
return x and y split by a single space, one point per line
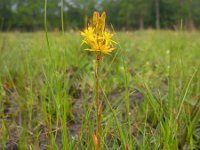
150 88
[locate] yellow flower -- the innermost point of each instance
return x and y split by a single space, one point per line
107 36
89 33
96 37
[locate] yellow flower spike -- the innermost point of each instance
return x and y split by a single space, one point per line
96 37
102 21
95 18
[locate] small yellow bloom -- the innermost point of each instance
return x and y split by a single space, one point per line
88 32
96 37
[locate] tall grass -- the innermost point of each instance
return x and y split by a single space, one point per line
151 92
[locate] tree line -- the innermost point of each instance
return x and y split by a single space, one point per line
28 15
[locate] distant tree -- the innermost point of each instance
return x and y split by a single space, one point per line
195 11
113 13
189 11
77 10
141 11
170 13
6 14
157 10
28 14
123 14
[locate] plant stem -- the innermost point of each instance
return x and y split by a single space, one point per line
45 28
98 103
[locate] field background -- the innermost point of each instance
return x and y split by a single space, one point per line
150 84
150 91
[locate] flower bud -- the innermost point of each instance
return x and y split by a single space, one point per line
95 18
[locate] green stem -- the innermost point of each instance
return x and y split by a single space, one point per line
98 103
45 28
62 16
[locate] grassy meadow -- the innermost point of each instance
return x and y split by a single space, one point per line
150 88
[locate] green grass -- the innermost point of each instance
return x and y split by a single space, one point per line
150 91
